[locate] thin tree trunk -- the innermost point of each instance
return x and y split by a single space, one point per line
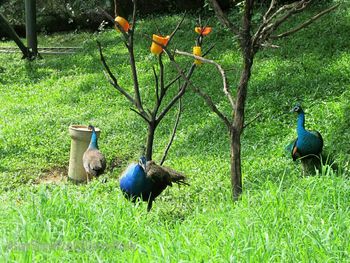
238 113
150 139
238 122
237 128
235 160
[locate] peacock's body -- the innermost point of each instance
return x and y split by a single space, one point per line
146 180
93 160
309 144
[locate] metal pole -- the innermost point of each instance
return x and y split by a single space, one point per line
32 42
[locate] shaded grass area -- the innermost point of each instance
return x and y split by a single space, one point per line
281 217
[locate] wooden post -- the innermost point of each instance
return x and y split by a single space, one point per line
31 35
13 35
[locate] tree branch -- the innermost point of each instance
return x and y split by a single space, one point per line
130 47
173 133
141 114
205 96
270 10
161 73
134 15
220 69
113 80
111 19
176 28
156 83
181 91
208 100
179 76
223 18
252 120
272 20
306 23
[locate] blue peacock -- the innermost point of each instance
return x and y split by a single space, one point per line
93 160
309 144
147 180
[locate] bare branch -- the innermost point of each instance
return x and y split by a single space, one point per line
306 23
172 82
156 83
223 18
111 19
161 73
162 91
179 76
205 96
299 6
208 100
113 80
221 71
272 20
143 114
252 120
181 91
134 15
173 133
270 10
269 45
130 47
176 28
209 49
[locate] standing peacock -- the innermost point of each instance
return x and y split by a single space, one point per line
147 180
93 160
308 146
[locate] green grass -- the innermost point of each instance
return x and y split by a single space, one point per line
282 217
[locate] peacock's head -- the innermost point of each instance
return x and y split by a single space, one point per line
297 108
142 162
91 128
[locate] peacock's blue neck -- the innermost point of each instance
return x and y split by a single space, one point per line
301 123
93 141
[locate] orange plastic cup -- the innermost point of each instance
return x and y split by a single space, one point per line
123 23
155 48
203 30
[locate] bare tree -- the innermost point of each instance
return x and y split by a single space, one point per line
155 115
251 38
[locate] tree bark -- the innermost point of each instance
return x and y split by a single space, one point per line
235 161
150 139
238 113
238 124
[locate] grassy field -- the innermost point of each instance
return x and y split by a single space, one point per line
282 217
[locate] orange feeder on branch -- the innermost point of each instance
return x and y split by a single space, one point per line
123 23
197 51
203 30
155 48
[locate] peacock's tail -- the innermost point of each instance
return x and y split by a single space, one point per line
289 148
175 176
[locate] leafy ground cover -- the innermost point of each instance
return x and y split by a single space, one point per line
282 216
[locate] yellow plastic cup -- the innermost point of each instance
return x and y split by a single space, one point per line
197 51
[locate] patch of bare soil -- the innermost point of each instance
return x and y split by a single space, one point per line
55 175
